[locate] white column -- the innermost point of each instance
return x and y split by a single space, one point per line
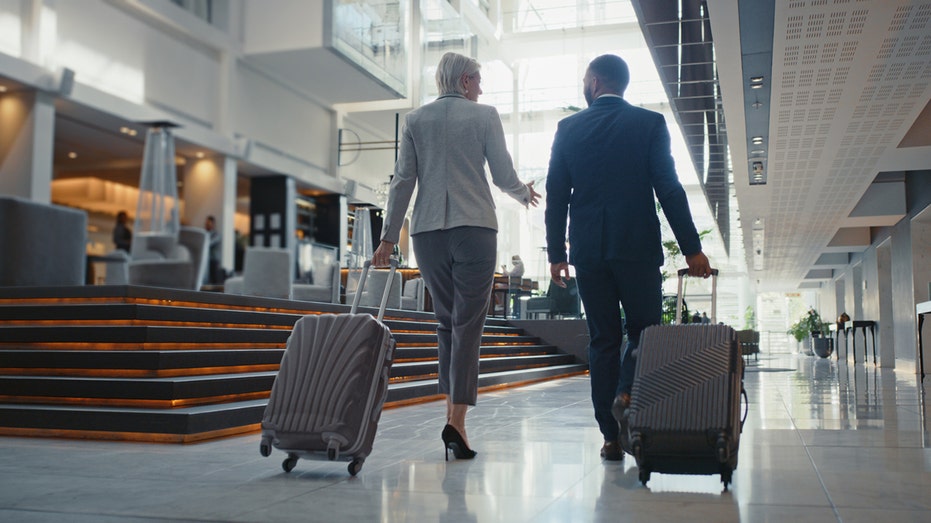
210 190
27 136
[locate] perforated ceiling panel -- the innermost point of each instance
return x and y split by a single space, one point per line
849 79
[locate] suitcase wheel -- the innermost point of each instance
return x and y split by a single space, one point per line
644 476
265 447
289 463
355 466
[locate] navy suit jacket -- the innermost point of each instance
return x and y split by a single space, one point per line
607 163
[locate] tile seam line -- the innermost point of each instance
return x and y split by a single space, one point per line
811 460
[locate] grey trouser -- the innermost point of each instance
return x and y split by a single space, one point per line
458 268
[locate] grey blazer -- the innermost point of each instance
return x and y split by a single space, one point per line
444 146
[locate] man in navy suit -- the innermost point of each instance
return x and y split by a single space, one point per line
607 163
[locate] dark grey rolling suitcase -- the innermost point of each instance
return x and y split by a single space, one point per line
331 386
685 410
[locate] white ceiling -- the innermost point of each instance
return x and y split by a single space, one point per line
849 80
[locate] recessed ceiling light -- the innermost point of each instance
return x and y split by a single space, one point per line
757 140
756 82
72 155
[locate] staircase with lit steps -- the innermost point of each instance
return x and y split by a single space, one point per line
151 364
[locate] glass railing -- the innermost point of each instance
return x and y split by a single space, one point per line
373 36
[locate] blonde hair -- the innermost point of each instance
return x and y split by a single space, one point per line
451 68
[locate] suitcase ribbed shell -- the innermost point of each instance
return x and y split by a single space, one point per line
683 378
331 385
684 415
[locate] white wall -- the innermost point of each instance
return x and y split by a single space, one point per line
123 55
10 27
281 118
280 25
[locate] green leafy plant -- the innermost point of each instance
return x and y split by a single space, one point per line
808 325
749 319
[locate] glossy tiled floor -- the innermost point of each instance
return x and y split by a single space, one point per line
823 442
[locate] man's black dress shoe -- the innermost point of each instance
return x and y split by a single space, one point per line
611 451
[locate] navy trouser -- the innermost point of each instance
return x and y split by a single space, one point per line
604 289
458 267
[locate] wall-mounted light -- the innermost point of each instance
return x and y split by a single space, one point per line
756 140
72 155
128 131
756 82
757 173
757 237
200 154
2 88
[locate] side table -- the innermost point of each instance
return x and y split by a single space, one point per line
862 325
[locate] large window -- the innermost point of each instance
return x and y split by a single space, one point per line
202 9
544 15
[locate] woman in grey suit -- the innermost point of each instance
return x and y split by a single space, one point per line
444 147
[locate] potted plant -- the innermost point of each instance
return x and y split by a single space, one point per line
809 330
799 331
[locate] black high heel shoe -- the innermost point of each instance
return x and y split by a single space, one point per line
452 440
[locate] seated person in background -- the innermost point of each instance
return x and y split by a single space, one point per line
514 275
517 267
122 234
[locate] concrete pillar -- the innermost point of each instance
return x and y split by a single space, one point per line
27 139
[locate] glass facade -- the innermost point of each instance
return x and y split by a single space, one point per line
374 36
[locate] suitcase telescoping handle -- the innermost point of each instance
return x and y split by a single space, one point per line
714 295
384 296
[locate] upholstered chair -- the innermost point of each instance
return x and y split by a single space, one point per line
412 298
164 261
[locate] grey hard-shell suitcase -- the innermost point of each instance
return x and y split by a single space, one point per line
331 386
685 410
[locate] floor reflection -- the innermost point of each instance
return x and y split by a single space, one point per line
824 440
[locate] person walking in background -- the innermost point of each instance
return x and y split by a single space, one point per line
214 271
607 163
444 147
122 234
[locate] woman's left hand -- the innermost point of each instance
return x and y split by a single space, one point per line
534 195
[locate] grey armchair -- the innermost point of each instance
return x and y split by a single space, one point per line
412 298
318 265
164 261
374 288
266 272
325 287
42 244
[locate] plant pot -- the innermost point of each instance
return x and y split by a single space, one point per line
823 347
805 346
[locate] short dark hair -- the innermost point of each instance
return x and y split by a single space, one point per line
612 71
